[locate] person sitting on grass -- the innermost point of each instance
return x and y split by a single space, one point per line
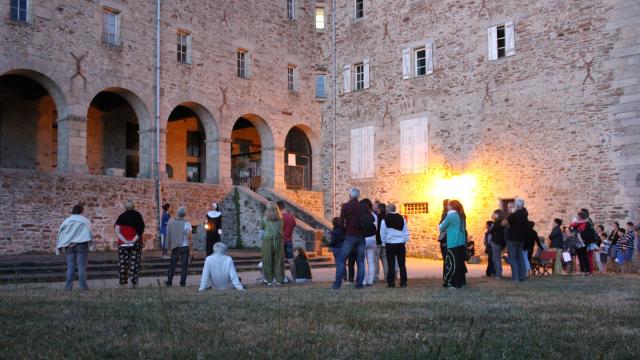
303 270
219 271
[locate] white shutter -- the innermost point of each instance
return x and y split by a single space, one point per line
492 43
347 78
365 64
510 39
419 145
429 57
406 63
406 147
368 139
189 48
247 64
293 9
356 153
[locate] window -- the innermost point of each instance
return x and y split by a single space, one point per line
414 148
193 172
291 9
111 27
362 153
417 61
243 63
194 143
291 78
319 17
184 47
416 208
359 70
321 86
361 76
359 9
20 10
501 41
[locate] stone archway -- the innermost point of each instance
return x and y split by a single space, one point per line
30 105
302 159
252 153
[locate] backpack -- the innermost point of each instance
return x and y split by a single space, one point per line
367 225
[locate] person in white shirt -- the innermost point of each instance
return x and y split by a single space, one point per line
75 238
394 235
370 246
219 271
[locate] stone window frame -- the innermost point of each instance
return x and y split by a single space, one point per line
291 10
493 41
324 86
320 5
243 63
292 77
184 46
410 59
26 10
358 77
106 34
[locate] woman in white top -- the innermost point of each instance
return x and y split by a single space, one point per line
75 238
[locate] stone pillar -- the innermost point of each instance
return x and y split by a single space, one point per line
72 145
147 154
218 168
273 168
316 172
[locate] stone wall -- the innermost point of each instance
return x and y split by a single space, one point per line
311 201
552 124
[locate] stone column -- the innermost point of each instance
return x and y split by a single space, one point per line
218 158
72 145
316 172
147 154
273 168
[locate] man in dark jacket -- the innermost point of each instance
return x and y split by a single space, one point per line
350 215
381 212
557 240
518 230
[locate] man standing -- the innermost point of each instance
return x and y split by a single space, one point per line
381 252
350 215
179 241
288 225
517 230
395 234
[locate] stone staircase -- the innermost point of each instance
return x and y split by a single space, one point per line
50 268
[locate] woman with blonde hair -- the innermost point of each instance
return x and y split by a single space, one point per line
272 245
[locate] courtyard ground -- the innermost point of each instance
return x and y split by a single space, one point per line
571 317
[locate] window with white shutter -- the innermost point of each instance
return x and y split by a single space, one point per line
406 63
417 61
501 41
414 146
365 65
362 153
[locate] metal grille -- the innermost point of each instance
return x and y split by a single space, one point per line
416 208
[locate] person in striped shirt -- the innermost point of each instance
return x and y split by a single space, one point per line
621 246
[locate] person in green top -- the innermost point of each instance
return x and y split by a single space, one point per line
454 225
272 245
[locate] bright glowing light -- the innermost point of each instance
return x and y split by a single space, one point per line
460 187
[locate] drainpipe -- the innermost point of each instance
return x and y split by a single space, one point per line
157 115
335 104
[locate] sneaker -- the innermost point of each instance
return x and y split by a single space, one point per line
452 288
167 284
403 285
391 285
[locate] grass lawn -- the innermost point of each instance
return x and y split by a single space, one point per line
567 317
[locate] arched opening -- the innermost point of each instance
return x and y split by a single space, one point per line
297 160
113 139
186 151
246 154
28 124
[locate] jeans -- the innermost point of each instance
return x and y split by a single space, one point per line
396 252
350 242
496 257
163 244
77 255
181 252
516 260
527 264
370 252
381 257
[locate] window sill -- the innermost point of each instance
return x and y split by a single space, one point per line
15 22
244 77
188 64
321 99
294 92
111 46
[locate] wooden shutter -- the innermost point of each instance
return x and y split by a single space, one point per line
492 43
356 153
428 49
406 146
368 139
189 48
247 64
406 63
347 78
365 64
510 39
420 145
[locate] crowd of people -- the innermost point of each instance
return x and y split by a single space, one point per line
366 237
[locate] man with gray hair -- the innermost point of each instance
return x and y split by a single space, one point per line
179 241
219 271
394 235
350 215
517 231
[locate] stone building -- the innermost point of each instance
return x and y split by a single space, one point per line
481 100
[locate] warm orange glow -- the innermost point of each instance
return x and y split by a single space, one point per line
460 187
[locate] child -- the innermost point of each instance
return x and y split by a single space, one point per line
337 238
621 247
569 246
303 270
604 252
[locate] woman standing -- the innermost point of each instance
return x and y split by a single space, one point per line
557 240
491 269
614 236
129 229
166 216
369 223
75 238
454 228
272 246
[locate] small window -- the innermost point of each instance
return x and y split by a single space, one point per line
416 208
359 70
111 27
194 143
501 41
291 77
193 172
321 92
291 10
319 17
184 47
421 61
20 10
169 170
243 64
359 9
